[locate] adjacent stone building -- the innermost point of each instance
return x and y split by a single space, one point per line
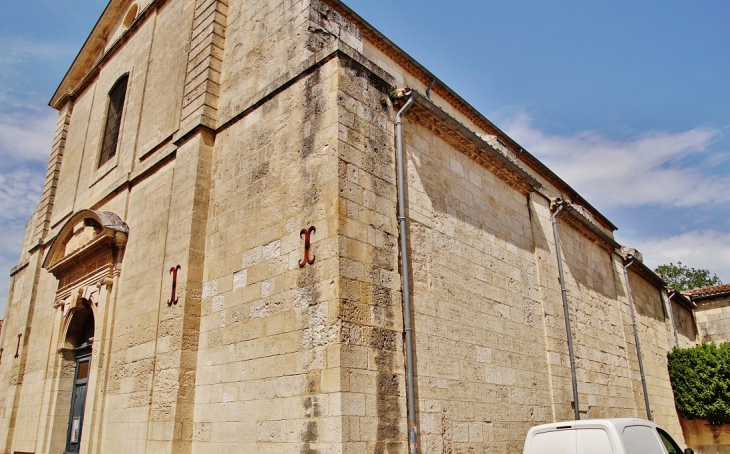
712 312
214 263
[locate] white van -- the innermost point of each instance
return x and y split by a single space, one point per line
601 436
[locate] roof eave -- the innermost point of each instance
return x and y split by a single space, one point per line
88 55
645 272
524 154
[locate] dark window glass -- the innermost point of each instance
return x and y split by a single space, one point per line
83 370
113 120
669 443
641 440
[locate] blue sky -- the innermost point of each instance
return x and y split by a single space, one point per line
627 101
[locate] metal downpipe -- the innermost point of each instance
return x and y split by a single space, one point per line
564 293
636 337
671 315
406 272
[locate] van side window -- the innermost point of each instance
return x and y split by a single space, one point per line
669 443
641 440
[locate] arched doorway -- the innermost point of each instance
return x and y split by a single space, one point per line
86 258
79 340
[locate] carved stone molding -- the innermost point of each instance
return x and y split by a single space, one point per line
86 254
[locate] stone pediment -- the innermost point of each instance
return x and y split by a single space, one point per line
87 241
114 21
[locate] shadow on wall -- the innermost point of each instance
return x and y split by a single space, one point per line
685 322
589 266
651 306
475 295
445 186
706 438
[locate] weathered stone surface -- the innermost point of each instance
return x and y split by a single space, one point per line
246 122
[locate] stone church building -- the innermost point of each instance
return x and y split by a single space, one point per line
216 264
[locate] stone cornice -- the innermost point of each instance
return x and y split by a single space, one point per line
645 272
575 218
449 129
457 102
112 235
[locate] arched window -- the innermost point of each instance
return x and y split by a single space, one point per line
113 119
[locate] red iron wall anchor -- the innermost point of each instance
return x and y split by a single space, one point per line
307 236
17 349
173 298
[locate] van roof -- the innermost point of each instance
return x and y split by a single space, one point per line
618 423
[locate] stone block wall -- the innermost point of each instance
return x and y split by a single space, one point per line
287 126
273 40
608 383
713 319
481 373
687 329
371 374
656 339
268 359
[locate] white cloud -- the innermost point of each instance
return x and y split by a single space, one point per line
17 50
708 249
650 169
26 136
25 146
20 191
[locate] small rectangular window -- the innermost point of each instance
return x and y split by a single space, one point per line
83 371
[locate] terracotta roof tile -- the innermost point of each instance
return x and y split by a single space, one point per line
709 291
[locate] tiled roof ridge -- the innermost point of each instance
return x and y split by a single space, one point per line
708 291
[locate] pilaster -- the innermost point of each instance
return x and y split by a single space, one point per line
45 207
172 406
205 61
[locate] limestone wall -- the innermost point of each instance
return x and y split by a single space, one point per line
372 373
120 388
713 319
159 114
151 110
73 156
287 126
656 340
687 330
604 362
273 40
268 363
481 373
706 438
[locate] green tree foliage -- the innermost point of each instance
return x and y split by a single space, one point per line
682 277
700 378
